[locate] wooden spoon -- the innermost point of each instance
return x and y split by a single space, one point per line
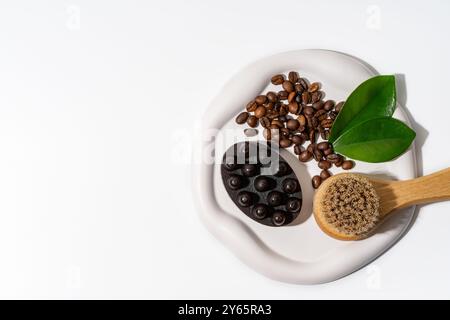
355 216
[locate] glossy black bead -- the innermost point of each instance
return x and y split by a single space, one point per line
260 211
264 183
230 164
235 182
290 185
293 205
250 170
274 198
283 169
279 218
245 199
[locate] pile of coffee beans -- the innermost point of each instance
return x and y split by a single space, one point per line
300 116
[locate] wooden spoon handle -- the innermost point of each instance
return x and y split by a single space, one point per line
430 188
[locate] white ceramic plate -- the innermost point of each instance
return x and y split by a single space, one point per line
300 253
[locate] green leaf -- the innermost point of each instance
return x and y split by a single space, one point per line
372 99
376 140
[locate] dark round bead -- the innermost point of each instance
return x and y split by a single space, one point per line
260 211
279 218
230 164
293 205
290 185
263 183
250 170
274 198
235 182
245 199
283 169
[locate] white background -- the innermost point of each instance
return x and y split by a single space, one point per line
98 101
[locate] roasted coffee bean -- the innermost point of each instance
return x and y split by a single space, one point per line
325 174
323 133
272 97
297 150
317 154
269 106
277 123
301 128
288 86
309 111
277 79
333 157
316 96
284 133
291 96
327 123
302 120
313 87
318 105
339 162
251 106
293 76
283 110
292 124
283 118
304 135
339 106
320 114
242 117
261 99
298 88
297 140
316 181
309 122
323 145
265 122
305 156
314 122
293 107
283 95
272 115
306 97
328 151
285 143
347 165
303 83
332 115
312 136
311 147
328 105
260 112
252 121
324 164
